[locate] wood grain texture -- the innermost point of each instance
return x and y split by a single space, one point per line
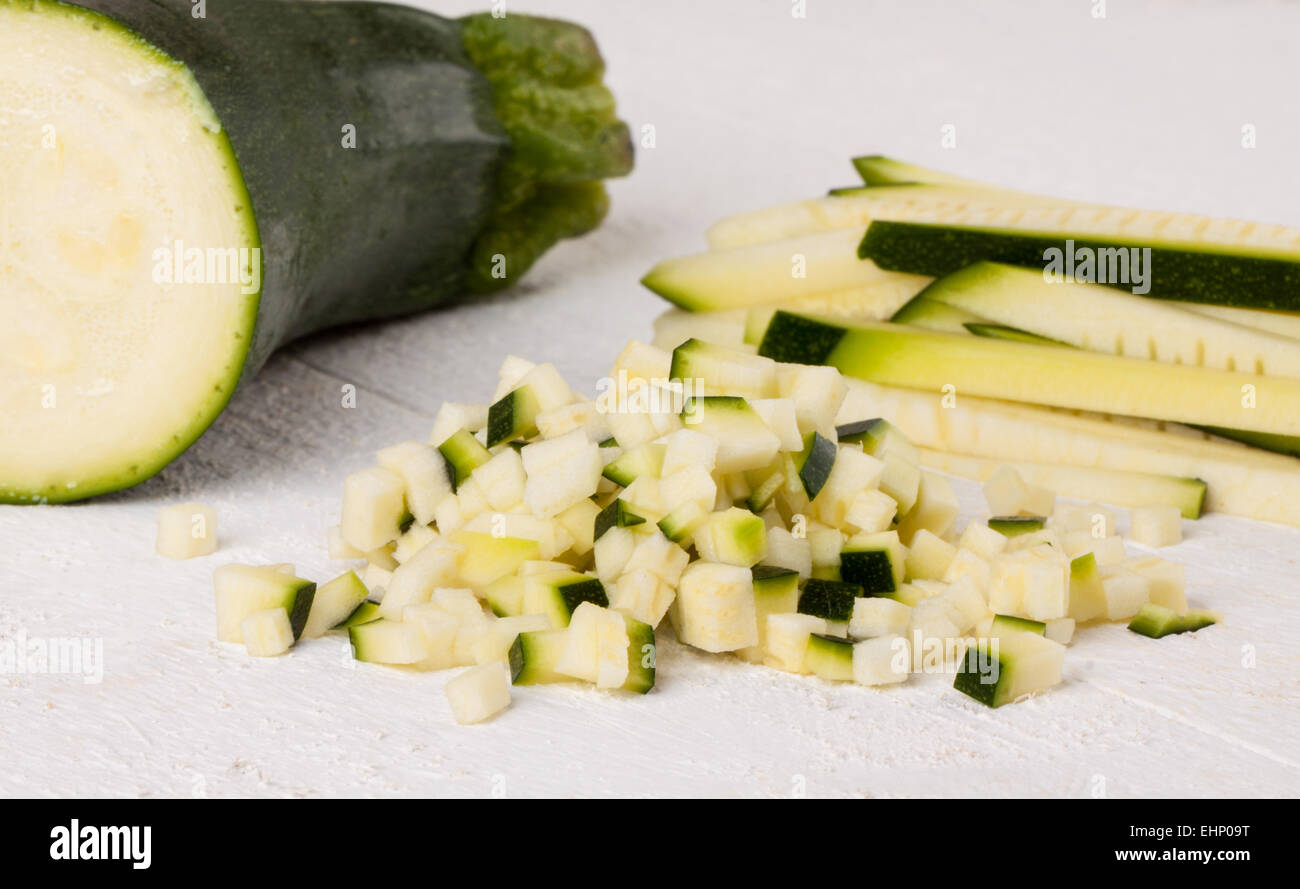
750 107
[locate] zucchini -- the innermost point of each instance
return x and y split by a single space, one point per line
922 311
855 208
1017 525
487 558
558 595
714 609
723 371
617 515
830 657
1157 621
1117 487
799 268
267 633
1203 260
876 170
646 459
241 590
1103 319
480 693
386 641
1239 480
362 614
1006 623
533 657
815 462
334 604
732 537
513 416
1014 334
744 441
232 181
464 453
1000 670
892 354
874 562
829 599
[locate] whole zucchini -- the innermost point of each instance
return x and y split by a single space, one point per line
186 187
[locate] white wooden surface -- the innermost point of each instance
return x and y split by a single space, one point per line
750 107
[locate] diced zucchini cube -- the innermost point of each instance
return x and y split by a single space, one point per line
929 556
334 603
561 472
981 540
715 607
453 417
787 551
502 480
1165 580
660 556
689 449
877 616
1156 525
389 642
780 417
882 661
871 511
267 633
434 566
936 508
424 476
643 595
479 693
1006 492
732 537
373 504
186 530
787 640
965 564
1125 594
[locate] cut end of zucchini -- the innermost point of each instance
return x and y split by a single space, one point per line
117 177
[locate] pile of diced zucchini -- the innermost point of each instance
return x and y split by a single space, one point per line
545 537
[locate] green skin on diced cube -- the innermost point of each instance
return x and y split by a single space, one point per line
871 569
617 515
532 658
983 676
830 657
464 453
364 614
763 494
773 580
830 599
814 462
513 416
641 654
577 592
1005 623
1157 621
1014 526
648 459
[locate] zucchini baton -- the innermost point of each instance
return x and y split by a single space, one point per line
184 189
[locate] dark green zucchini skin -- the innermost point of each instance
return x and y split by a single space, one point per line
347 234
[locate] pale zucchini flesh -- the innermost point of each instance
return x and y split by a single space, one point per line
111 370
1239 480
1117 487
1105 319
797 268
